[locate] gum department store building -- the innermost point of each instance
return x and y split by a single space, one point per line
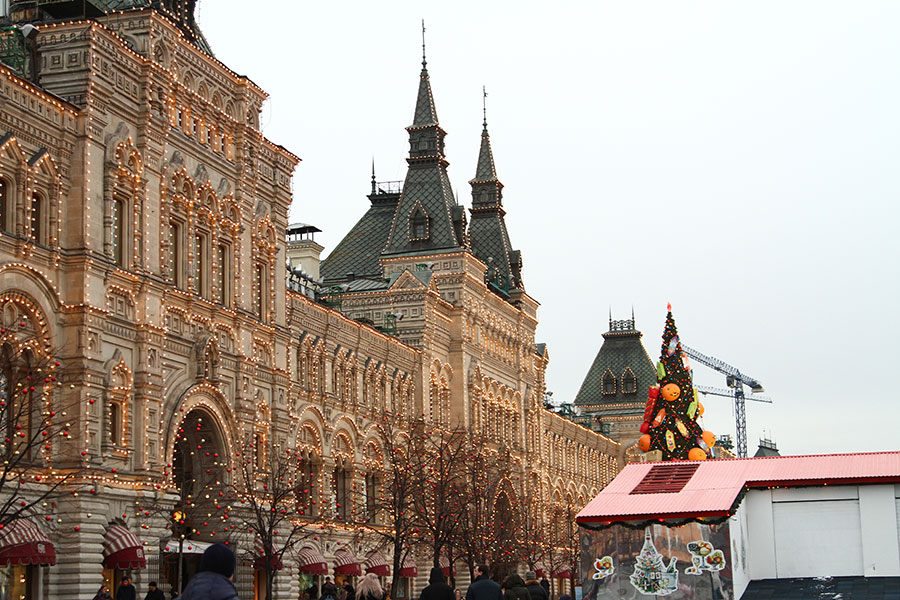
145 244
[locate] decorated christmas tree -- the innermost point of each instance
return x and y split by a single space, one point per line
651 575
672 411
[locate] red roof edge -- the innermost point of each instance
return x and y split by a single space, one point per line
655 517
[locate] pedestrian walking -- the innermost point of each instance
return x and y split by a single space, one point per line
535 589
329 590
213 580
370 588
514 588
437 588
103 593
154 593
126 591
483 588
545 583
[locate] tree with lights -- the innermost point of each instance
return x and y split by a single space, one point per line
34 423
439 463
391 514
670 419
268 485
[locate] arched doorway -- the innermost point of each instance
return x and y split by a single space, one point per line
505 528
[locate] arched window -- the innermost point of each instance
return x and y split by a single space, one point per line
609 383
37 216
6 206
308 471
629 382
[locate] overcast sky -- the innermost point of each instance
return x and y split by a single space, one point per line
739 160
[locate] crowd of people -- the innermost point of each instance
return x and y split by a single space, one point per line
214 581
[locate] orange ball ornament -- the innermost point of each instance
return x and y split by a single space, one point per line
644 443
671 391
696 454
700 409
710 438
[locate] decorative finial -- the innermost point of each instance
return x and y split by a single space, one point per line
669 306
484 104
423 44
610 318
632 316
373 174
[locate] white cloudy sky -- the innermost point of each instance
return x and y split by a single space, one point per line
739 160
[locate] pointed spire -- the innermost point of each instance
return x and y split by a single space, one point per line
426 114
373 174
485 170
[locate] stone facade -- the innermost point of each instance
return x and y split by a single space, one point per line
143 236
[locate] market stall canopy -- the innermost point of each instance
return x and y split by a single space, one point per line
445 567
122 549
22 542
311 562
377 563
674 493
345 563
409 568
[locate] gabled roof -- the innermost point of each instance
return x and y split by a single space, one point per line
360 249
621 349
717 486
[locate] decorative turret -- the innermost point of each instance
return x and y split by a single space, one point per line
427 216
487 231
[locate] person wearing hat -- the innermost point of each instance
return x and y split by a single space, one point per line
155 593
213 580
535 589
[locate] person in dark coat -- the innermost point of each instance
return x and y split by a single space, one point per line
213 580
545 583
483 588
514 588
535 589
154 592
329 589
437 588
126 591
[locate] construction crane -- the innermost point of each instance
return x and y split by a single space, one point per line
735 380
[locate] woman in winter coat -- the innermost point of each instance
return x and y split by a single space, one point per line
437 588
514 588
103 593
370 588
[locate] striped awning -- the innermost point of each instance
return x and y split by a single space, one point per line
311 562
378 564
122 549
345 563
409 568
259 557
563 573
539 569
23 543
445 567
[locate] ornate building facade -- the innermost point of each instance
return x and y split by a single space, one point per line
143 246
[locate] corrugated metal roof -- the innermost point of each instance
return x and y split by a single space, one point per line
717 484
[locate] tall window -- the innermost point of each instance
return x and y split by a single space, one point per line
201 286
342 485
261 301
6 209
175 253
418 226
37 210
223 281
118 232
309 474
115 423
372 490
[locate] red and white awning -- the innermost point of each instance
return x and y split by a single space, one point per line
539 569
259 557
122 549
409 568
378 564
345 563
311 562
23 543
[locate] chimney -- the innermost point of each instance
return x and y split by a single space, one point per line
302 250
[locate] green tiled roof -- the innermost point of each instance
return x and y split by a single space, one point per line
622 349
358 252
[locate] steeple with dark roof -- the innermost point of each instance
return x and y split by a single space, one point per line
427 217
487 230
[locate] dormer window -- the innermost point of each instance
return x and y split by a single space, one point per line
418 225
609 383
629 382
